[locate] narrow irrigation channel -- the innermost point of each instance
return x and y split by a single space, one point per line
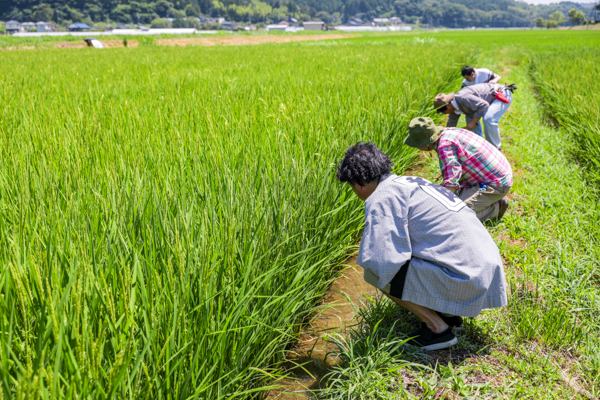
313 352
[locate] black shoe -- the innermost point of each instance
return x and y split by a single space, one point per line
453 321
428 340
503 207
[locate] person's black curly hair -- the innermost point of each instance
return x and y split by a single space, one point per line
467 70
363 163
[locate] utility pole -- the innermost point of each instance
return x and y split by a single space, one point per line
455 23
58 18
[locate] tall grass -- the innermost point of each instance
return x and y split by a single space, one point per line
567 81
169 215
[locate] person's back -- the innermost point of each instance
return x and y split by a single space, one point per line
450 251
422 247
93 43
472 99
480 161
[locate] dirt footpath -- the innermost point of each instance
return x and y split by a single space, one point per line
595 27
241 40
107 43
210 41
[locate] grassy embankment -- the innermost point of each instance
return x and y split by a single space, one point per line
169 215
546 343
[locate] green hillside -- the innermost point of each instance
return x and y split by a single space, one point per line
455 13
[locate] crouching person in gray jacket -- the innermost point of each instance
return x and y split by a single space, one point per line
423 247
477 102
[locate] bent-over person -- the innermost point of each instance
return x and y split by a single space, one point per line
423 247
477 102
474 76
473 169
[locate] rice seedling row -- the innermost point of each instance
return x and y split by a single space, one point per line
566 78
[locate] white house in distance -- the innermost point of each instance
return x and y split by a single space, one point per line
381 21
13 27
313 25
28 26
276 27
45 26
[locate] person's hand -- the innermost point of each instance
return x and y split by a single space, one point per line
496 79
453 189
472 124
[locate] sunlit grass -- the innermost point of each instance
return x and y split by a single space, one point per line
545 344
169 215
567 81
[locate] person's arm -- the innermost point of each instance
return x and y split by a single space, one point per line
472 124
495 79
450 166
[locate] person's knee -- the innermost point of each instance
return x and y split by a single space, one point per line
401 303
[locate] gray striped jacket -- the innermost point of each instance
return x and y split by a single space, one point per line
455 266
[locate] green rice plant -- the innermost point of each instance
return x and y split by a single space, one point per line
566 78
170 216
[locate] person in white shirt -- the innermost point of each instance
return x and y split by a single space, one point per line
480 75
94 43
475 76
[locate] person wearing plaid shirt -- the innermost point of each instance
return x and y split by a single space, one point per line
472 168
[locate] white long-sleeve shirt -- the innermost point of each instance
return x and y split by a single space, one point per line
482 75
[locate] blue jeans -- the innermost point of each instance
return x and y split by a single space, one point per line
492 118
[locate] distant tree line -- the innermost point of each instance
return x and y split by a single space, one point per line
557 18
179 13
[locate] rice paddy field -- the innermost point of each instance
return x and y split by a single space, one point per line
574 102
169 217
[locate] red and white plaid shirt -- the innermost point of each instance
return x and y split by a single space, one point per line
467 159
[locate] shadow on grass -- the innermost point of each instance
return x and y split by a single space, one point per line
472 343
374 358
